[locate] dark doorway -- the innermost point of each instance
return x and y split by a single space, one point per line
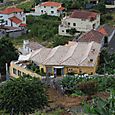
59 72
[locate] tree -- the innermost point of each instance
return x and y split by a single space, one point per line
7 53
22 95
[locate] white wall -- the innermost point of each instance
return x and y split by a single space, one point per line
47 10
81 25
6 17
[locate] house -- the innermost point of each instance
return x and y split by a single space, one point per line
50 8
13 17
79 20
29 46
90 36
20 68
12 32
76 57
108 31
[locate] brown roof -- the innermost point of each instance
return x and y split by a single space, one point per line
91 36
83 14
34 45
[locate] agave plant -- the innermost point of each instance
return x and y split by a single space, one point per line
101 106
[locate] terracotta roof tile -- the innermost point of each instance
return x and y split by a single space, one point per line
83 14
15 20
106 30
10 10
55 4
23 25
61 8
91 36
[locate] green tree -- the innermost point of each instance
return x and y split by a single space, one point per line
22 95
7 53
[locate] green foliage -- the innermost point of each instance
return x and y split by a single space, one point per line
79 86
107 61
71 31
73 3
100 7
25 95
45 29
89 87
7 53
101 106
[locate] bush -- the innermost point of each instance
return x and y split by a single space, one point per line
90 87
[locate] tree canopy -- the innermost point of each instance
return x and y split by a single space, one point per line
22 95
7 53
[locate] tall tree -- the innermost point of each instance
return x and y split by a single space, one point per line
22 95
7 53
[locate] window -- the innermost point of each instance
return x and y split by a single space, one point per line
74 24
6 22
52 12
68 23
52 7
62 30
67 31
1 16
19 73
41 11
91 60
14 71
23 18
44 6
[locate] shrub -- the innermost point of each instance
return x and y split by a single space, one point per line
89 87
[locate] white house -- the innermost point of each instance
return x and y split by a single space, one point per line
14 17
29 46
81 21
49 8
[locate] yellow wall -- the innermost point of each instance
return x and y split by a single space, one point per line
23 70
88 70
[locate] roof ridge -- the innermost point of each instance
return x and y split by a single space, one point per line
74 47
90 47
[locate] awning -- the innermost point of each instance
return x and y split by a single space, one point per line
58 67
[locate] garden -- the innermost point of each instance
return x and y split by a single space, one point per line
88 85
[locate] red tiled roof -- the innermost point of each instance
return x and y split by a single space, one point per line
15 20
83 14
102 30
61 8
55 4
106 29
91 36
10 10
23 25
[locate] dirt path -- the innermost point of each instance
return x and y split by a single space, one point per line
64 101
